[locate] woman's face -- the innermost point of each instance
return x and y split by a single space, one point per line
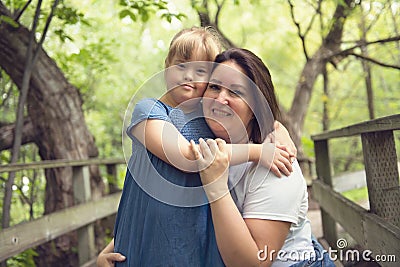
227 101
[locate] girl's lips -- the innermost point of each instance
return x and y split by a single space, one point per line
187 86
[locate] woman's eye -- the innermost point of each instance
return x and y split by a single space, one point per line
214 87
236 92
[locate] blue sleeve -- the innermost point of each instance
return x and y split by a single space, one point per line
145 109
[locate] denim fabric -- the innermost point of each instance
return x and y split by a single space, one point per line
321 258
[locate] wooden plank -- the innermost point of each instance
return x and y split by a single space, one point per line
382 124
48 164
82 194
370 231
91 263
323 168
383 239
382 174
345 212
322 162
20 237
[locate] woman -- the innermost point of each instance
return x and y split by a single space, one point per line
262 221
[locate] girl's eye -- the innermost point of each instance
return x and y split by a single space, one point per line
201 71
181 65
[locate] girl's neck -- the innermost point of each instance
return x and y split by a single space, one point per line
187 106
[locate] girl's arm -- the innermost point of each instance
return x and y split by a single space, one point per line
163 140
254 240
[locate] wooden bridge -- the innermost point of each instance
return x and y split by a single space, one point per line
376 230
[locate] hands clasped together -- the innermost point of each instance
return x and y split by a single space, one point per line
212 157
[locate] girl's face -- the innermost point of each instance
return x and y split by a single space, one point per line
186 80
227 101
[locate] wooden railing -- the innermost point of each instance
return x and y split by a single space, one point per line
377 229
81 217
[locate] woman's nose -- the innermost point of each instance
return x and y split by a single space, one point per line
222 97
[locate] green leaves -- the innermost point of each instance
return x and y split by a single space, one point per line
9 21
169 16
68 16
144 9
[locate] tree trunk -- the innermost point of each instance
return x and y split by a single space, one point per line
55 109
312 69
325 101
367 71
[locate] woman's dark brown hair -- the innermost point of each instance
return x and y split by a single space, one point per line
266 102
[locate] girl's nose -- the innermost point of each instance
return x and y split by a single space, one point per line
188 75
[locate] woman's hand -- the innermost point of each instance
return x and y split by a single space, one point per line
213 162
108 259
107 256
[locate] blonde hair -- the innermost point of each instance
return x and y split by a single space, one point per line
193 40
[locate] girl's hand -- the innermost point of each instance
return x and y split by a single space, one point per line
276 158
213 162
282 138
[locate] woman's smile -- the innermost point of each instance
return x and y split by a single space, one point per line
220 112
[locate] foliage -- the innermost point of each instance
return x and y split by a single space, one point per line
108 49
357 195
24 259
8 20
67 16
8 100
144 10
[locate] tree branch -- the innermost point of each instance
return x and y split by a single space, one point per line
375 61
359 44
17 17
204 15
7 134
29 65
219 8
301 36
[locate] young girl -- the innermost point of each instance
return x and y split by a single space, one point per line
162 218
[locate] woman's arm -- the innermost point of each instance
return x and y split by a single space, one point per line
163 140
248 242
107 257
240 242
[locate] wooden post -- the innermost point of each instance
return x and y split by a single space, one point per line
112 178
82 193
382 173
323 168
